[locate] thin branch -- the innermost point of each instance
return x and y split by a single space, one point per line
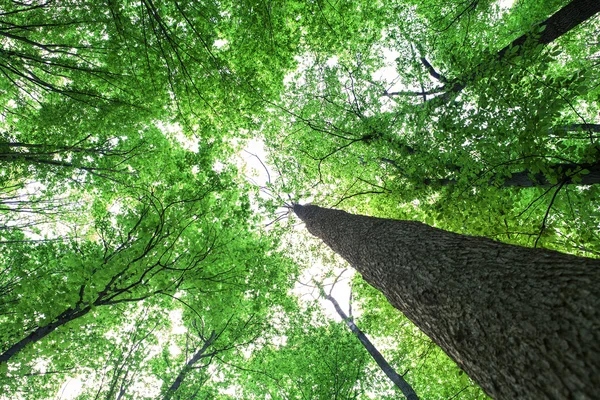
543 227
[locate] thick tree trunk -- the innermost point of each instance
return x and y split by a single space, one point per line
387 369
523 323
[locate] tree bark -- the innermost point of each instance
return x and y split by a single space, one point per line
561 22
527 179
389 371
523 323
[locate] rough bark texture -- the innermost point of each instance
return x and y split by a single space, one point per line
523 323
389 371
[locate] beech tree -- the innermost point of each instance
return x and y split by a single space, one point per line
127 220
317 359
492 307
512 156
390 372
565 19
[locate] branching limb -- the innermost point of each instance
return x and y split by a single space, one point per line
432 71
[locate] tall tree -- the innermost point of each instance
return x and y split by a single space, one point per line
495 161
565 19
492 307
119 124
397 379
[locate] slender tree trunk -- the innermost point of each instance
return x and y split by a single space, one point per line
528 179
188 366
389 371
523 323
43 331
577 127
561 22
564 173
554 27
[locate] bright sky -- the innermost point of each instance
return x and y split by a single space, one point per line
257 174
506 4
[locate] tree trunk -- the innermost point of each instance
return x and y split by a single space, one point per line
43 331
567 174
557 25
564 174
561 22
523 323
577 127
189 365
389 371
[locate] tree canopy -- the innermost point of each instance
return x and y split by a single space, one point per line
140 255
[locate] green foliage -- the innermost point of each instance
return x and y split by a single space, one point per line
128 234
316 360
505 158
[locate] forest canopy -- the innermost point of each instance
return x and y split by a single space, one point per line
143 256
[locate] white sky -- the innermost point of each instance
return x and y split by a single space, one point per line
506 4
257 174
